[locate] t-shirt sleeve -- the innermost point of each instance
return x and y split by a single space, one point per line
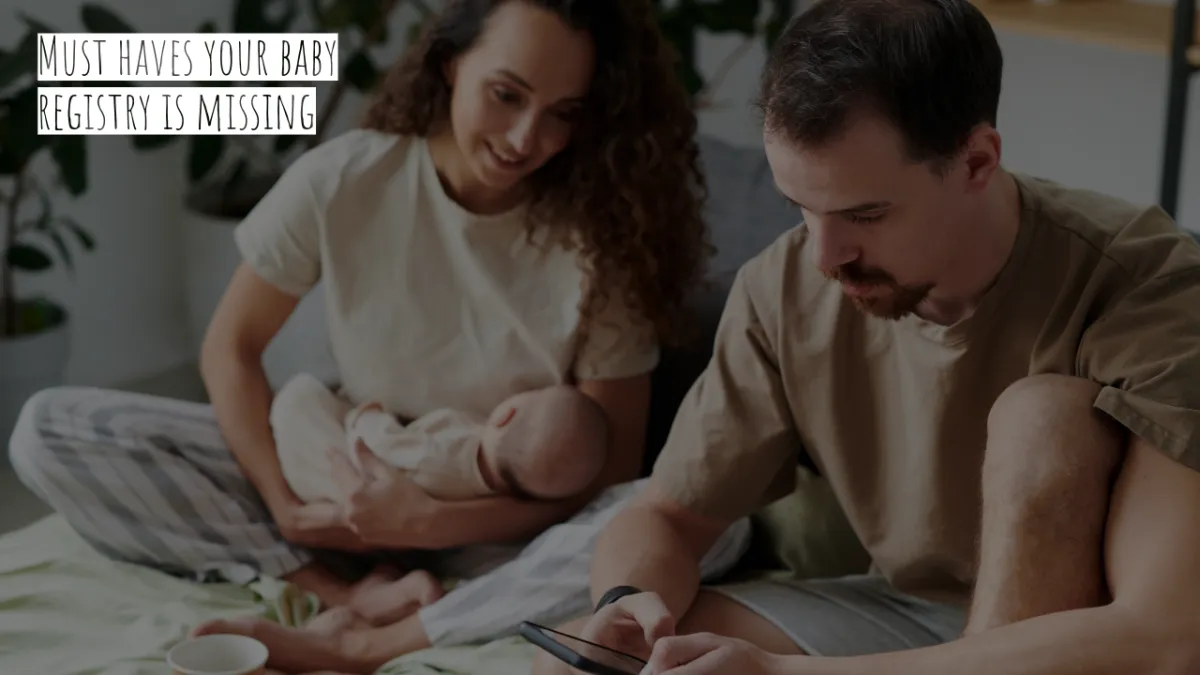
1146 354
733 446
280 238
619 343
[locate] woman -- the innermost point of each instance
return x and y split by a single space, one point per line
523 207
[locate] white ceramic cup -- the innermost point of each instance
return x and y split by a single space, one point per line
218 655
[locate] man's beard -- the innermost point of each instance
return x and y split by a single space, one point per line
897 303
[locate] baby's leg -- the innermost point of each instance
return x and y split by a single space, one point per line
384 603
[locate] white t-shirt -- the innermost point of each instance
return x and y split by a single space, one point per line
429 306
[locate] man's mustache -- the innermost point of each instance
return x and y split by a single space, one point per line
855 274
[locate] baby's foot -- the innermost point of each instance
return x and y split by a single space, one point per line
393 601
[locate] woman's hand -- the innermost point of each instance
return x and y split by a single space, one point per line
315 525
383 506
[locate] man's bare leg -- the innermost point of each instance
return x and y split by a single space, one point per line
1050 465
711 612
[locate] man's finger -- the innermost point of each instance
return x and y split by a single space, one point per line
685 655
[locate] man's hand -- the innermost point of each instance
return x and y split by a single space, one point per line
382 505
633 625
708 654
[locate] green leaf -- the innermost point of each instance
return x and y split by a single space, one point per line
19 135
781 16
253 16
35 25
19 63
414 32
285 143
100 19
146 142
361 72
81 235
332 17
368 16
63 252
729 16
46 208
70 152
28 258
204 154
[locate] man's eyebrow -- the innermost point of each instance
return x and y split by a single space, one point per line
857 208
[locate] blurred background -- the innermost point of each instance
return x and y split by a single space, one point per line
133 239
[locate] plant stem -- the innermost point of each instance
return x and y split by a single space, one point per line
8 286
339 87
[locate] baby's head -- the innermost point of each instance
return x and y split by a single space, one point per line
545 444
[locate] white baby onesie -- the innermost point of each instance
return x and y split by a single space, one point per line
439 451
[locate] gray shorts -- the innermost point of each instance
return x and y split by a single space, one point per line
848 616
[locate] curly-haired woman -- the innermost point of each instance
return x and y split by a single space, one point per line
522 208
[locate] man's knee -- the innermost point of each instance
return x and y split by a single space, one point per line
1045 429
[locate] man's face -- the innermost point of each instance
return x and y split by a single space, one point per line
881 225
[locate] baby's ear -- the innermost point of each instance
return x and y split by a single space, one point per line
507 417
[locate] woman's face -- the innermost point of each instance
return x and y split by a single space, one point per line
517 92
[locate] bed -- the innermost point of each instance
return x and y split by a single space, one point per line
66 610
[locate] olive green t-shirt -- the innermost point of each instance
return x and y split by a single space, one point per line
894 413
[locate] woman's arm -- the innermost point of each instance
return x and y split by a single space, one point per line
444 524
249 315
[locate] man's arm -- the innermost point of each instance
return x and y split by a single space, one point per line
1151 626
655 545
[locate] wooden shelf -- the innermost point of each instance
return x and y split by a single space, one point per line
1125 24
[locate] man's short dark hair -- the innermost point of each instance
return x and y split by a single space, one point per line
930 67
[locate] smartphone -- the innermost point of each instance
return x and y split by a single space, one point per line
580 654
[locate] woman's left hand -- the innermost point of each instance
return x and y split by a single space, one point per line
708 654
383 506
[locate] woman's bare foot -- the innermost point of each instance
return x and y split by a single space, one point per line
319 646
390 602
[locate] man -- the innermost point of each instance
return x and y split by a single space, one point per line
999 376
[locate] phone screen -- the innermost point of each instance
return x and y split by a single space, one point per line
611 660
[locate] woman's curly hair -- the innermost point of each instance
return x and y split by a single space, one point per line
628 188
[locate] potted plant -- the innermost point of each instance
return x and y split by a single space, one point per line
34 330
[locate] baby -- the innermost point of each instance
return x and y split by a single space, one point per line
544 444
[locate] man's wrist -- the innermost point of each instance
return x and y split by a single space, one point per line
614 594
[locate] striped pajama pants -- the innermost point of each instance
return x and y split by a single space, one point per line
150 481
